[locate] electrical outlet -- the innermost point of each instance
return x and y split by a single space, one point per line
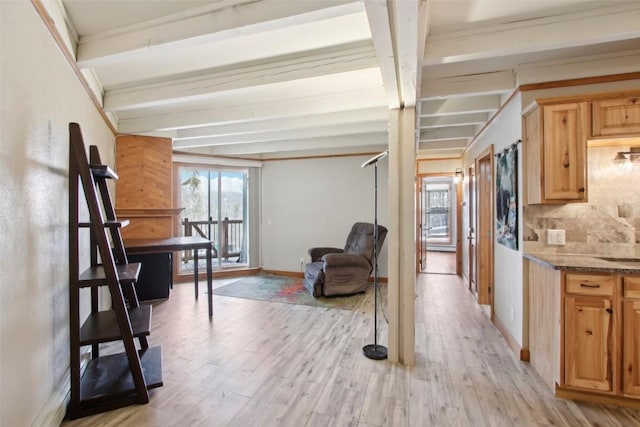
555 237
301 260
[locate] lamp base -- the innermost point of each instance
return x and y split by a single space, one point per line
375 351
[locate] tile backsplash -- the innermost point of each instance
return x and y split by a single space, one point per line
609 224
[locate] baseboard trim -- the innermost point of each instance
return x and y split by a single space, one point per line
186 278
519 352
297 274
55 410
605 399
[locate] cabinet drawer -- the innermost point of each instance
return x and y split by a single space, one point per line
631 287
589 284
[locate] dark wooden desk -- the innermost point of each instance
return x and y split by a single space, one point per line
173 244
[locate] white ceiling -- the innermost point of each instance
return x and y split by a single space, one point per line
269 78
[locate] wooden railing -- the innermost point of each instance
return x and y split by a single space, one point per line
228 244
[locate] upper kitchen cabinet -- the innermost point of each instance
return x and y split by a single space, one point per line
555 147
618 117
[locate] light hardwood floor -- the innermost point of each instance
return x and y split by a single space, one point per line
270 364
440 262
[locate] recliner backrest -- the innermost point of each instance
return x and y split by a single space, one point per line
360 240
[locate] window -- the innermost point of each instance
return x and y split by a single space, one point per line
437 213
438 208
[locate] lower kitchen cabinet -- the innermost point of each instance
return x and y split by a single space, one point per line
631 348
584 333
588 339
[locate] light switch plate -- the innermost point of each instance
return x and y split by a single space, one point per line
555 237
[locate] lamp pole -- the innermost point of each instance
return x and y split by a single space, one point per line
375 351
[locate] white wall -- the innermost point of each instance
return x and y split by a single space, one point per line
508 287
39 96
314 202
432 166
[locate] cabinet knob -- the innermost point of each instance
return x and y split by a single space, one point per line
610 310
581 189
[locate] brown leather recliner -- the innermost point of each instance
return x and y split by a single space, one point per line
335 271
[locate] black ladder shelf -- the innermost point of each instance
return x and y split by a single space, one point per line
115 380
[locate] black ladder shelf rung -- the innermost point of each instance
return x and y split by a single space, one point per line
95 275
107 378
103 171
108 224
102 326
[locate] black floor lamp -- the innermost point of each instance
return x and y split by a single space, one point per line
375 351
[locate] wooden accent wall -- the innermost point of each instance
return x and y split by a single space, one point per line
144 192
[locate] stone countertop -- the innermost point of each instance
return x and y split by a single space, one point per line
586 263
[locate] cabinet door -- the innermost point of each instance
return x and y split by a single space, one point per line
616 117
631 355
532 145
588 342
565 146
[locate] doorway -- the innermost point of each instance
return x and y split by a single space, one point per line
215 202
484 220
438 224
471 232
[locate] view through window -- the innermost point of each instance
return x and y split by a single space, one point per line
438 210
215 207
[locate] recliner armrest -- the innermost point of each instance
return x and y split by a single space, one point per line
345 260
318 253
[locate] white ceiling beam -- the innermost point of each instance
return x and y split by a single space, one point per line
319 131
394 27
454 132
380 25
216 22
331 142
423 30
375 114
355 56
616 21
452 120
364 150
473 84
472 104
62 22
405 27
221 114
455 144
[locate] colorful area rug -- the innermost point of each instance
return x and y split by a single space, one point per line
283 289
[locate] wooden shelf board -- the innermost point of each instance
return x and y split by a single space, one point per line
103 326
95 276
113 224
109 377
103 171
